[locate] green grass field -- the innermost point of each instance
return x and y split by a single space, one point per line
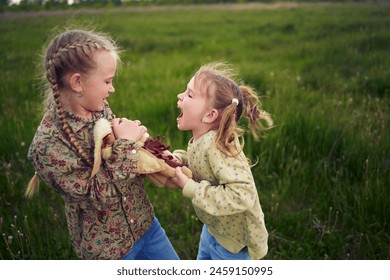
323 71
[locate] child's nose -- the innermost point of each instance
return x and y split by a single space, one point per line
179 96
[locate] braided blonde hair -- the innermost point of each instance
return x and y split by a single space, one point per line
221 89
70 51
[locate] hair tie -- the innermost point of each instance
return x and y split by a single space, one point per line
235 101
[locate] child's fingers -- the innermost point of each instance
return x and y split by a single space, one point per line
178 172
128 129
143 129
115 121
180 179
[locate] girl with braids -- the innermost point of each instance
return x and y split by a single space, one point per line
109 216
223 191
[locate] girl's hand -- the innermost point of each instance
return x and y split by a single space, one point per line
127 129
173 158
180 179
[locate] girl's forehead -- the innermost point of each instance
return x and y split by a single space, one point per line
105 58
199 81
106 62
194 85
191 83
203 84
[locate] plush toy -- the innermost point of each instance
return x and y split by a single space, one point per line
154 159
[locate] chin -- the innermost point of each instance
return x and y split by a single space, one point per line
179 127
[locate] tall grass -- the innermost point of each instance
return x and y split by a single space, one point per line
322 172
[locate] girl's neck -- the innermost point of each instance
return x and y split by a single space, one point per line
205 128
74 107
199 134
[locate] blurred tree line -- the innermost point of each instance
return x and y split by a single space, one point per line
15 5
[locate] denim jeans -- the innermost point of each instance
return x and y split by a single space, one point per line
210 249
153 245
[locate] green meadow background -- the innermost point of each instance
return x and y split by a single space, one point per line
322 71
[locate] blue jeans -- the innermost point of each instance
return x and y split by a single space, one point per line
210 249
153 245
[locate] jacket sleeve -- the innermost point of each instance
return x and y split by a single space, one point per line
61 168
182 156
233 192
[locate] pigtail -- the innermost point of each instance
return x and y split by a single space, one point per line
258 120
60 111
32 187
228 131
217 79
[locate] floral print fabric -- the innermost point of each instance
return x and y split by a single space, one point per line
107 214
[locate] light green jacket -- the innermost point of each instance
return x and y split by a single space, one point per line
225 197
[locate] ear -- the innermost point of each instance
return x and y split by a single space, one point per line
75 82
211 116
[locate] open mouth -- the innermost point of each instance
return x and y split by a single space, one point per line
180 115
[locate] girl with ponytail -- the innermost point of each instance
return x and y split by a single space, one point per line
109 215
222 190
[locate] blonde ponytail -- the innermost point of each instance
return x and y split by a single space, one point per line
258 119
32 187
228 131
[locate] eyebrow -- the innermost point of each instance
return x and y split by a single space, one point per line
191 91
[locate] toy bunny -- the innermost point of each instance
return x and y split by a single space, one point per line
154 159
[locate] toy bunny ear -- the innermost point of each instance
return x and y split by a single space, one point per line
102 129
148 163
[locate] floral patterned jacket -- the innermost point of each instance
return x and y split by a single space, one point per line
107 214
